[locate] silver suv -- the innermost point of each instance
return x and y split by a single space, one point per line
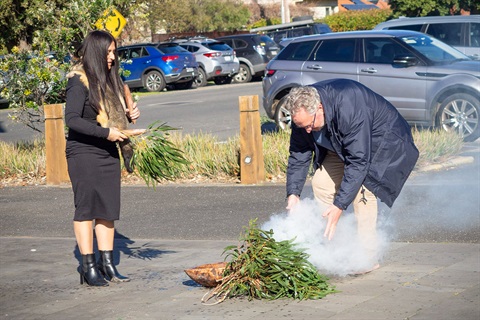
216 61
429 82
461 32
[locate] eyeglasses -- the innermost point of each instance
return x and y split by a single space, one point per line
310 126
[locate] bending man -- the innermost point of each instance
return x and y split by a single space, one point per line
362 150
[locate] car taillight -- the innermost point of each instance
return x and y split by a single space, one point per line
269 72
234 53
169 58
212 54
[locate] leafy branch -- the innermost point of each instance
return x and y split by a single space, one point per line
262 268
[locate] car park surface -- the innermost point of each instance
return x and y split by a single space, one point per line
429 82
253 51
216 60
461 32
154 65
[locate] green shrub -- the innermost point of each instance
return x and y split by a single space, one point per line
357 20
31 80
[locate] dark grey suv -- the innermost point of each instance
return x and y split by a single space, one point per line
253 51
429 82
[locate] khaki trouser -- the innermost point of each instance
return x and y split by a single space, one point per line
325 184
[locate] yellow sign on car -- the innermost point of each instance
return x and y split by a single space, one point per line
113 21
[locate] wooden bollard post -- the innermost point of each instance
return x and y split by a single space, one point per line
252 168
56 162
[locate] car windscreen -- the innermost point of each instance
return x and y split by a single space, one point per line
265 41
434 49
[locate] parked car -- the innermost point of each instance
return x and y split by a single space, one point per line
429 82
154 65
253 51
216 60
294 29
461 32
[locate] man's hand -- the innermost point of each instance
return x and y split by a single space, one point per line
292 200
116 135
333 213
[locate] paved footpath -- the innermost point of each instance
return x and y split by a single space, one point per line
431 270
416 281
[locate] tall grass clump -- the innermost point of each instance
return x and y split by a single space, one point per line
208 157
436 145
275 153
22 160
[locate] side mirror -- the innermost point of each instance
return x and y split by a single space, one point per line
403 61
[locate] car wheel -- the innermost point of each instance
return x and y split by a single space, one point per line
282 116
244 75
154 81
459 113
222 80
201 79
183 85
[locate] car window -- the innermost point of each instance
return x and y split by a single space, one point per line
433 49
298 51
220 46
229 42
338 50
122 54
240 44
448 32
475 34
189 48
298 32
381 50
277 36
265 41
136 52
170 48
412 27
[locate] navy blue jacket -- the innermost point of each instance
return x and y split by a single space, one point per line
367 133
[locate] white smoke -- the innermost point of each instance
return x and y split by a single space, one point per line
340 256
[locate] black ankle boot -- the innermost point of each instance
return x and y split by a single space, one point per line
107 268
89 272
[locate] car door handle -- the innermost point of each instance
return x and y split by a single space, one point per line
314 67
369 70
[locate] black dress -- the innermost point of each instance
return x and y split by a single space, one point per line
93 161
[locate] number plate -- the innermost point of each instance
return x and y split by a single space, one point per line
189 69
228 58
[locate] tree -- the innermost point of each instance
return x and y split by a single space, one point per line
31 78
197 15
421 8
472 6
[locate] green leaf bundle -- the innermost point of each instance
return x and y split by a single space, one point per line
155 157
262 268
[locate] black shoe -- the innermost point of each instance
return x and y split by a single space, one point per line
89 272
107 268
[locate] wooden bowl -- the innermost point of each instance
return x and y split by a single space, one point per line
208 275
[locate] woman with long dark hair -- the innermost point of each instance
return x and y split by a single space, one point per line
95 95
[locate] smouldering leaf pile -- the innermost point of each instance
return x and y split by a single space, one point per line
263 268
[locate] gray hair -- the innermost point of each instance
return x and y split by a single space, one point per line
305 97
